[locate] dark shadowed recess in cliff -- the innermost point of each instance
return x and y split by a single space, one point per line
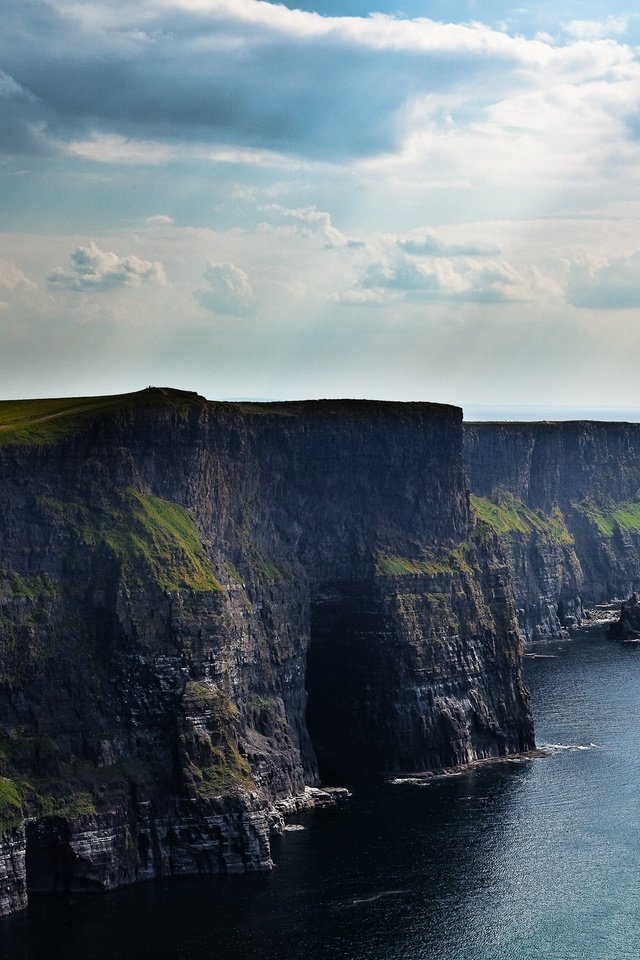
346 684
361 710
49 859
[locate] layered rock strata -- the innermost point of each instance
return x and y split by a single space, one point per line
564 499
205 607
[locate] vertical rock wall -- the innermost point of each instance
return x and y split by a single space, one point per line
565 501
176 575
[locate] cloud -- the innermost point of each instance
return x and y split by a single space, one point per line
361 298
112 148
133 151
597 29
309 222
431 246
12 278
21 119
402 278
599 283
10 89
227 290
160 219
96 269
134 84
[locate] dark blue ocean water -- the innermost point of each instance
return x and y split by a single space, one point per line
537 860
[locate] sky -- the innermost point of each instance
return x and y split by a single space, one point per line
425 201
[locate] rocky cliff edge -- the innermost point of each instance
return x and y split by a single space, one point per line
206 607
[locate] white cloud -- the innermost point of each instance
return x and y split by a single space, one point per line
361 298
227 290
602 283
112 148
597 29
378 31
399 278
160 219
309 222
11 89
96 269
12 278
431 245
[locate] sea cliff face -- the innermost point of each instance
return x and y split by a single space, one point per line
205 607
564 499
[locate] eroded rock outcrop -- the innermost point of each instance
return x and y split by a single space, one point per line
626 628
178 578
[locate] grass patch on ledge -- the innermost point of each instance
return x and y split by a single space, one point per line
607 517
171 545
219 767
140 528
507 515
74 804
30 586
229 772
394 566
457 560
10 804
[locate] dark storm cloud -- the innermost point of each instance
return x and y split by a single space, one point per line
168 73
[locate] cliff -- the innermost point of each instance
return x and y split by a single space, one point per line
564 499
205 607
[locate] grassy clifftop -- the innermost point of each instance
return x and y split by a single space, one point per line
47 421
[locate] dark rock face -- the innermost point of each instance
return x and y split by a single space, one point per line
178 578
627 627
568 512
13 873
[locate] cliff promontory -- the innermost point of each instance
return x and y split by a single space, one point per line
564 499
205 607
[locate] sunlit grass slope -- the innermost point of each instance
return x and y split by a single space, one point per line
46 421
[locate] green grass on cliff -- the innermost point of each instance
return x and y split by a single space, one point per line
505 515
170 544
140 529
10 804
606 517
508 515
37 422
394 566
446 563
30 586
220 766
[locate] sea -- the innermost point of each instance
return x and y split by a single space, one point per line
522 860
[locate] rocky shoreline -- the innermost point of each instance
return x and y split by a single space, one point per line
427 776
